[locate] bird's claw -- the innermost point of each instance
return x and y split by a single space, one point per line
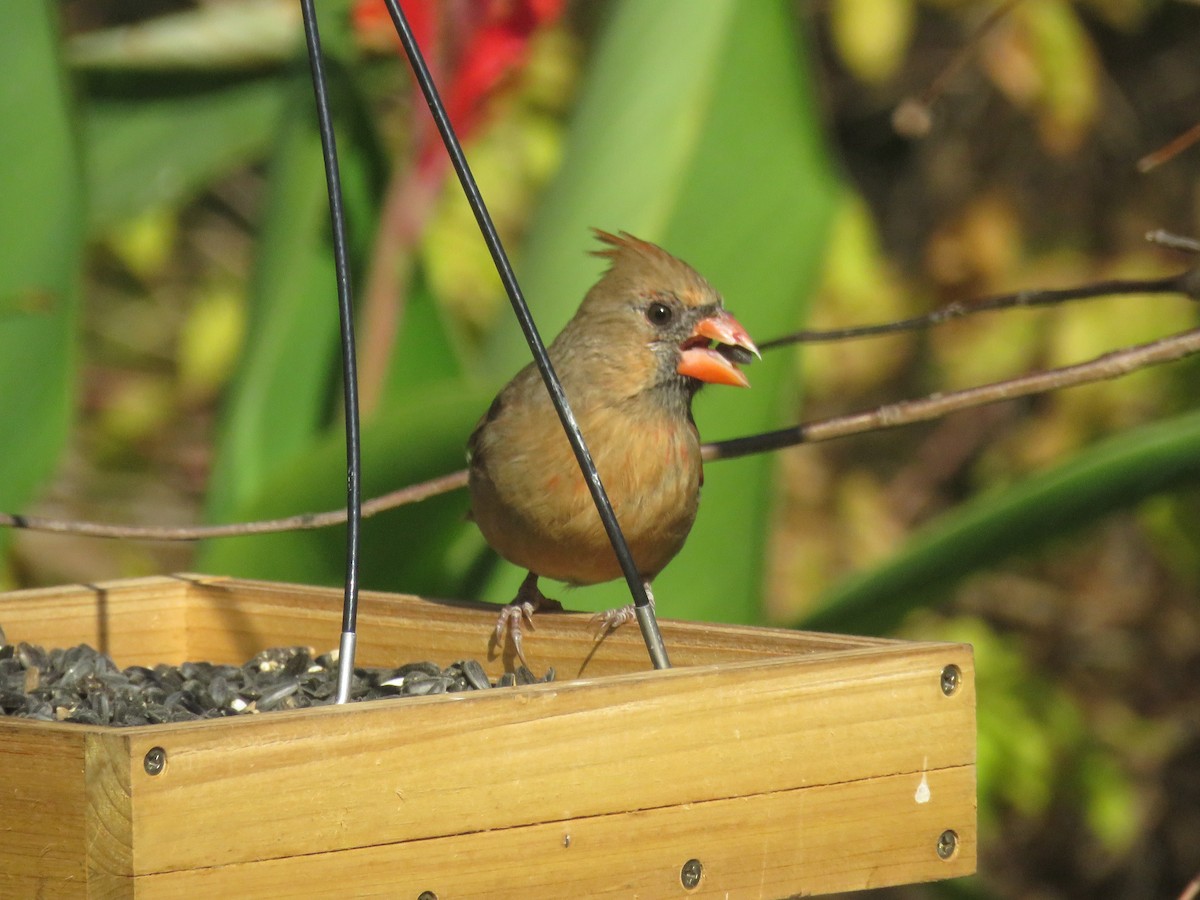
605 623
512 618
512 614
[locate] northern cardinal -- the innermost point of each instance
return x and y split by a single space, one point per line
630 361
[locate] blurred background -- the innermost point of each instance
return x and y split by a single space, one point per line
168 330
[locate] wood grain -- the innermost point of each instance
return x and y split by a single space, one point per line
424 767
842 837
109 811
176 618
41 813
133 621
785 761
228 620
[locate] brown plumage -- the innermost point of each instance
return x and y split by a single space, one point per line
630 361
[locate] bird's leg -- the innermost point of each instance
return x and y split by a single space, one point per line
603 624
529 600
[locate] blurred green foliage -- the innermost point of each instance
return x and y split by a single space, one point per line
715 149
736 140
41 251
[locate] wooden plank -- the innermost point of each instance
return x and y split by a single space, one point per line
41 811
133 621
466 782
224 620
817 840
290 784
230 620
109 814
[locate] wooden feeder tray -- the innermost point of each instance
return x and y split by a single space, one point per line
767 763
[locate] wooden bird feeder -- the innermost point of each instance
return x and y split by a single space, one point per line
768 763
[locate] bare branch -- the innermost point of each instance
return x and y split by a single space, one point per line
913 117
1173 241
1192 890
303 522
1186 283
1110 365
1169 150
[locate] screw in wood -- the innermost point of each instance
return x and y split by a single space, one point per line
951 679
947 844
155 761
689 875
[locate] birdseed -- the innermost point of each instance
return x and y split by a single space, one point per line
80 684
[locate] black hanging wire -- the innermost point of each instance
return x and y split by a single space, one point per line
642 607
349 368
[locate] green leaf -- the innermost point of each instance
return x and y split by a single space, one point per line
282 444
423 547
40 251
423 353
252 33
1117 473
145 151
281 398
712 149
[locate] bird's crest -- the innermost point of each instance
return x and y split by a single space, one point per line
643 261
624 242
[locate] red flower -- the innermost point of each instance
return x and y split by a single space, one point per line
473 47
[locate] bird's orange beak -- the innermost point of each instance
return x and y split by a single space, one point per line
701 361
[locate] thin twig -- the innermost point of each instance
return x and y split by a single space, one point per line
1186 283
1173 241
913 117
1169 150
1192 890
1110 365
303 522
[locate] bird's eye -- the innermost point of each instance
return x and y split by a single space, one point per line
659 313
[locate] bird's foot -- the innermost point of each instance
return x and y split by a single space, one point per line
605 623
514 616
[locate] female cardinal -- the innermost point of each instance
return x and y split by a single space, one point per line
630 362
